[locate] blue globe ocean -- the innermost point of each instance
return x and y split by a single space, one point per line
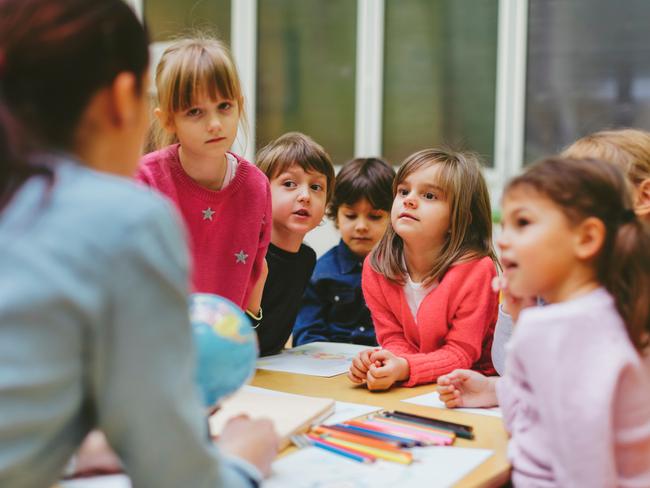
226 346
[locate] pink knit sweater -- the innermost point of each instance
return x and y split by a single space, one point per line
455 321
229 229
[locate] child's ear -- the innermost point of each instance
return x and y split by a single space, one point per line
642 204
589 238
166 121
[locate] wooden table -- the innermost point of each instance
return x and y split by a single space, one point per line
489 431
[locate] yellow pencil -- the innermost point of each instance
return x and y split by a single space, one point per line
396 457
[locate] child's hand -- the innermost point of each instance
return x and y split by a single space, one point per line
467 388
512 304
254 441
360 365
386 369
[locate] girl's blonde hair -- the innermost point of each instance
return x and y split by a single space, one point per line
629 149
470 226
188 69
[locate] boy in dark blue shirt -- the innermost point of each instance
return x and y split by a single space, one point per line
333 308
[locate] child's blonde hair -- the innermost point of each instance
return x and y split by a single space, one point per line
470 226
296 148
629 149
188 69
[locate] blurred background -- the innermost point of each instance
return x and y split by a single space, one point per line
512 80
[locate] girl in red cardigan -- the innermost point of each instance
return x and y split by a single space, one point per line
428 282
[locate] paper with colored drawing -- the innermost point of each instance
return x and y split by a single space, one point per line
433 467
316 359
433 400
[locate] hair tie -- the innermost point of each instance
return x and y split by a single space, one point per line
627 216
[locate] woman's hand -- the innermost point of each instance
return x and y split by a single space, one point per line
95 456
254 441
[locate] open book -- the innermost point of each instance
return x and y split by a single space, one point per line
290 413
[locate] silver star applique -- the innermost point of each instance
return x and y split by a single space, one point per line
207 213
241 257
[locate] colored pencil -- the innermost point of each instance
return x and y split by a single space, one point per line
359 439
406 431
415 426
377 435
380 429
353 454
395 457
461 430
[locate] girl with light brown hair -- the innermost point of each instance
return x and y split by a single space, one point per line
428 282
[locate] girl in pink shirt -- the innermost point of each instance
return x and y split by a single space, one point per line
428 282
576 393
225 201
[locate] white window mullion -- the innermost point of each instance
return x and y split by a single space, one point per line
244 48
137 6
511 94
369 78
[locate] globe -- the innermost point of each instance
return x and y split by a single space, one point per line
225 343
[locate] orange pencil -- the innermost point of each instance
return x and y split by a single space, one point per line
368 457
359 439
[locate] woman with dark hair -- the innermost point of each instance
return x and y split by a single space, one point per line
94 329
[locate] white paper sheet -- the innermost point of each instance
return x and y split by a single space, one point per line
316 359
346 411
315 468
111 481
433 400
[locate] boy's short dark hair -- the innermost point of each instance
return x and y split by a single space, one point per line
369 178
296 148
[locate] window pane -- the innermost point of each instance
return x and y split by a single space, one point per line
440 76
305 72
587 70
168 19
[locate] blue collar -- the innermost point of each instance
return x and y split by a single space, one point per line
347 260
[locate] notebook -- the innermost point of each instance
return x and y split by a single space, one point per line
290 413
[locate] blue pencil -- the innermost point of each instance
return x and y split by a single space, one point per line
342 452
402 441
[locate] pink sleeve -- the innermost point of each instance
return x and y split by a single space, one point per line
265 238
474 316
389 330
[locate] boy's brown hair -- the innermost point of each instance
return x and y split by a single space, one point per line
296 148
369 178
470 226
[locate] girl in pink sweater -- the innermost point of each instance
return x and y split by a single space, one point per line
428 282
225 201
576 393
